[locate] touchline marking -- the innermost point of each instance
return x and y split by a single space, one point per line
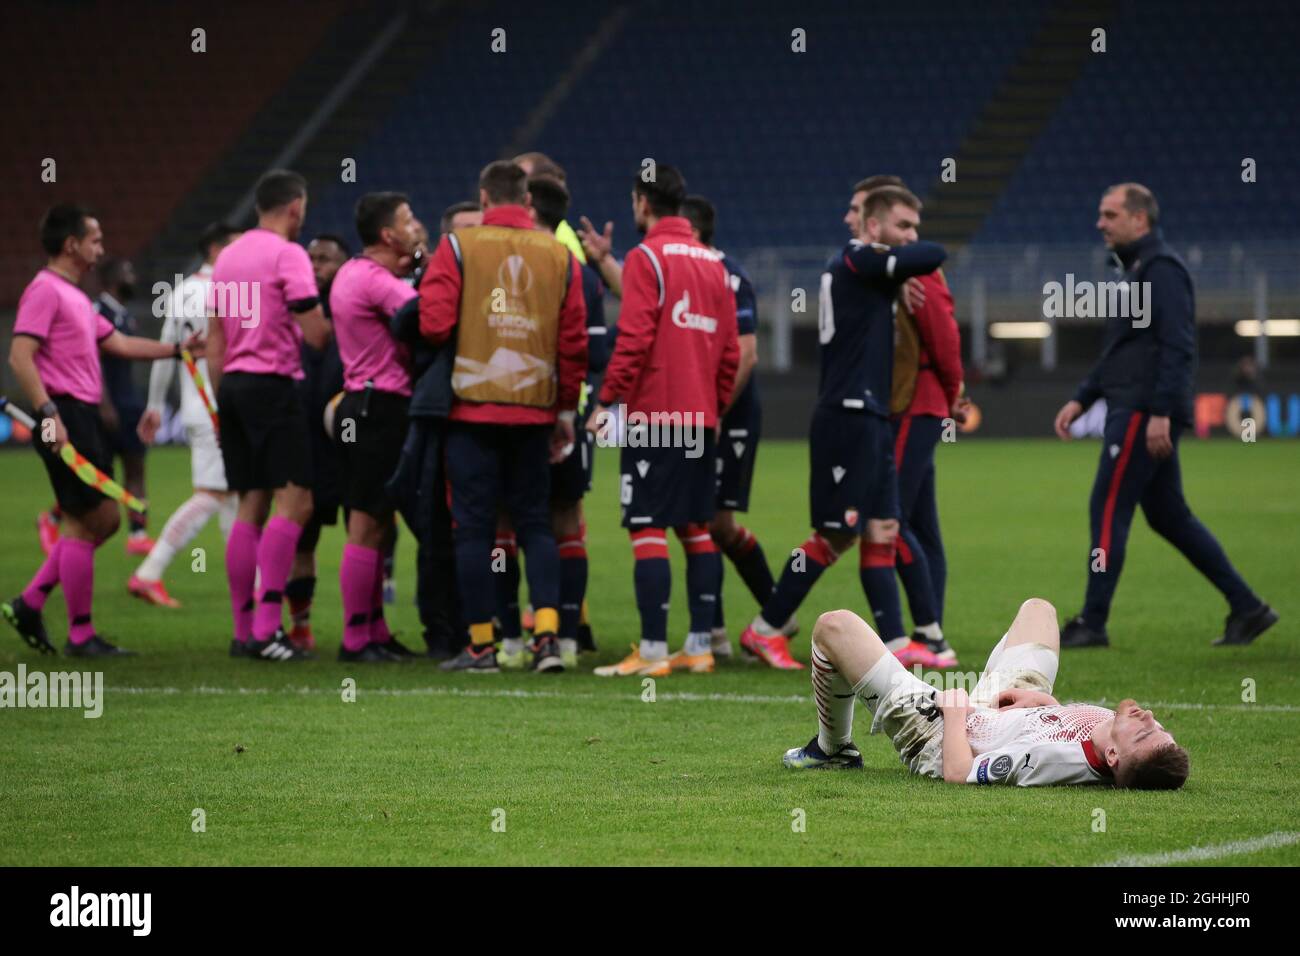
1216 852
684 696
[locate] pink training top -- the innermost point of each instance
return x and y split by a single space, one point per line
363 297
253 281
55 311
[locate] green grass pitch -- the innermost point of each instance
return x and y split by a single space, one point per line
578 770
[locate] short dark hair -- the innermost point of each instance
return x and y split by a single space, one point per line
109 269
60 222
334 238
1137 198
450 213
875 182
543 165
375 211
884 198
278 187
702 216
665 193
550 200
1165 768
504 181
213 233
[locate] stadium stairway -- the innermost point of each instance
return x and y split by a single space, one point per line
321 157
1013 118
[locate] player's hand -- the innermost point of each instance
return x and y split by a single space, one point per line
913 295
561 439
954 703
595 244
960 408
150 422
195 344
1159 443
60 434
597 420
1068 413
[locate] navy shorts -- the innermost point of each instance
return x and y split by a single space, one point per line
852 477
737 452
571 478
668 487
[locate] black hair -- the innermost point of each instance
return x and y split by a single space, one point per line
702 216
375 211
213 233
60 222
550 200
277 188
334 238
665 192
451 212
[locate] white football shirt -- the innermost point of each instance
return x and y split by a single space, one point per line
1036 746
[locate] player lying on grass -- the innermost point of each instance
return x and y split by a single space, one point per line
1009 729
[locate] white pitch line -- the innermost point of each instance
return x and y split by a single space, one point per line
1216 852
634 689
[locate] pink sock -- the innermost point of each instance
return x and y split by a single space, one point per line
241 572
45 581
274 561
77 574
379 632
356 581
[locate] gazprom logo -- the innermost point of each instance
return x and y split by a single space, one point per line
683 318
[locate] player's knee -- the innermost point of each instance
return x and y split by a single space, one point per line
833 628
882 531
105 520
722 528
1039 608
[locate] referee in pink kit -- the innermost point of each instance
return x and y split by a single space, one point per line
264 293
58 338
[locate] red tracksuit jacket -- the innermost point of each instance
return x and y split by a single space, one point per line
677 349
939 380
440 310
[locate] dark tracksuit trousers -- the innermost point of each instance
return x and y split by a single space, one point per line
921 564
1128 477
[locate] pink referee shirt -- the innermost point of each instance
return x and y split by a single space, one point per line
253 281
363 297
55 311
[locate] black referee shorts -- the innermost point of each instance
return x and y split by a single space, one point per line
369 432
88 436
263 437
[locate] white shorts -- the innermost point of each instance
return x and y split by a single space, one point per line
907 711
207 470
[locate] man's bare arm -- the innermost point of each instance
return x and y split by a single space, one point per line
748 359
957 755
1023 697
316 329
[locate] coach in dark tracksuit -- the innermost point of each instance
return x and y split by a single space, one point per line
1145 374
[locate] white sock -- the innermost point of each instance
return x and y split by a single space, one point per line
227 513
762 628
699 643
834 699
654 650
512 645
186 522
568 645
933 631
896 644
